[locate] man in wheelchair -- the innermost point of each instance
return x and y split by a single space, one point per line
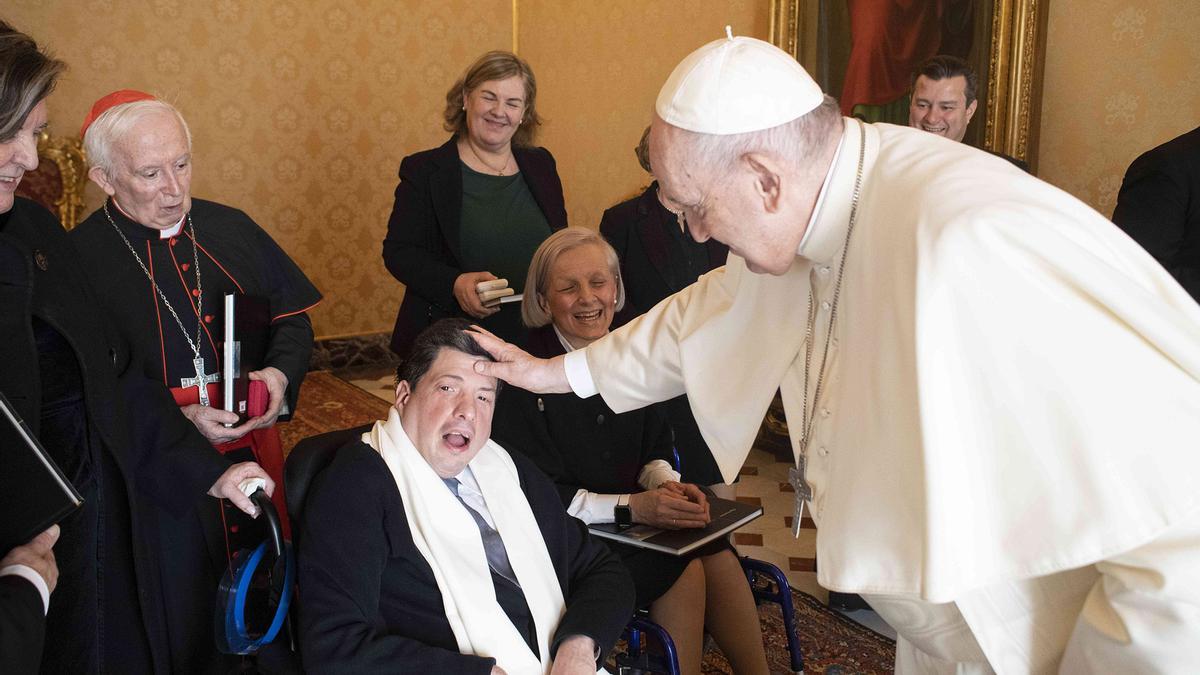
426 547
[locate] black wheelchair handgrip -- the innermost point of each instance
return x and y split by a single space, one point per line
267 508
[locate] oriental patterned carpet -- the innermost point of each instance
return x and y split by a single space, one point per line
328 404
832 643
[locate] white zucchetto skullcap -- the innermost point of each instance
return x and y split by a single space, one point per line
735 85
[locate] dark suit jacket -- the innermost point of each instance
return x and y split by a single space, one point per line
42 277
369 602
1159 206
634 228
422 248
22 626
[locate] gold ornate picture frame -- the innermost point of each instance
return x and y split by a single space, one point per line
1014 66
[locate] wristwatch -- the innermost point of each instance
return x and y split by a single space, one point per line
622 513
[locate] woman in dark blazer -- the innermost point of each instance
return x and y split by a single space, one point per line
608 466
475 208
70 377
658 258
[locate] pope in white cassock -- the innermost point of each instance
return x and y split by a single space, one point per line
993 394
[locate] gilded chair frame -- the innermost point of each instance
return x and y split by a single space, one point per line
67 154
1015 62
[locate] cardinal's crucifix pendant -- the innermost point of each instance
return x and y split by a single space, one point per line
200 381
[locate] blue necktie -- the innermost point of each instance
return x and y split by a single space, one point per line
493 545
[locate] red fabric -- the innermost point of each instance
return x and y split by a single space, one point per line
111 101
258 398
888 40
264 443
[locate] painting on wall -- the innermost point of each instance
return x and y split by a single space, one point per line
864 52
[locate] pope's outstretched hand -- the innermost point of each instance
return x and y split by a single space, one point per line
518 368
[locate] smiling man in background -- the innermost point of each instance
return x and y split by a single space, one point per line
944 101
943 97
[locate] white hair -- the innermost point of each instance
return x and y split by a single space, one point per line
795 141
533 314
117 121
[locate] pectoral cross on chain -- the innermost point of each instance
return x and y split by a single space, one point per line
803 490
201 381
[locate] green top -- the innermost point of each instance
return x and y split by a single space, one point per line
501 227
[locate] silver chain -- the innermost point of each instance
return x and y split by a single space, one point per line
810 329
195 264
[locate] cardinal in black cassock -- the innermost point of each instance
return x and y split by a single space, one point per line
162 264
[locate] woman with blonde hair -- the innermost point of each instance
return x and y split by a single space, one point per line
614 468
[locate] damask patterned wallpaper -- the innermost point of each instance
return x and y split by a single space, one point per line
599 67
300 110
1121 76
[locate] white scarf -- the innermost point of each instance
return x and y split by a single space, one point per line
448 538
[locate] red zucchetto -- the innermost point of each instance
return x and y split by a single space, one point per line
112 100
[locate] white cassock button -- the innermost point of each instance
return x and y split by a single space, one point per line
824 269
822 451
825 305
824 412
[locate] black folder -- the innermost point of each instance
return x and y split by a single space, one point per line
34 494
727 516
244 348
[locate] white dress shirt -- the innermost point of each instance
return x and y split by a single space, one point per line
26 572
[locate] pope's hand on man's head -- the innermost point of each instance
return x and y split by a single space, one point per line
518 368
228 486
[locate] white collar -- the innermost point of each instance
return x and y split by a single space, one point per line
826 233
812 218
562 339
467 477
172 231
